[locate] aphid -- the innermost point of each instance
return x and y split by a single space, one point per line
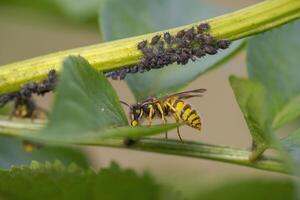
155 40
160 48
223 44
142 44
168 38
203 27
208 39
184 58
172 105
199 37
189 34
122 74
148 52
198 52
210 50
180 34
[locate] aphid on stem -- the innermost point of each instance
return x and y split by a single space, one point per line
186 45
155 40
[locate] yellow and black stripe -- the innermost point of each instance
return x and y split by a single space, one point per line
184 112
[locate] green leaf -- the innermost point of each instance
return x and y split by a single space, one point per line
85 101
87 108
273 59
80 10
292 144
250 189
124 18
12 153
251 97
84 12
289 112
55 181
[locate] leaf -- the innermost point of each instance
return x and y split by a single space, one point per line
273 59
251 97
85 100
55 181
80 10
64 10
124 18
87 108
12 153
288 112
292 144
249 189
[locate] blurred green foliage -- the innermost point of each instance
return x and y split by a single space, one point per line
56 181
69 11
250 189
13 153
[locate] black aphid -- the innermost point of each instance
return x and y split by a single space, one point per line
155 40
208 39
223 44
199 38
168 38
180 34
210 50
23 96
189 34
203 27
142 44
186 45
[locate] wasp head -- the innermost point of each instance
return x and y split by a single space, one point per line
136 113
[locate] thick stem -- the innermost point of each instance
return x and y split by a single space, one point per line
232 155
116 54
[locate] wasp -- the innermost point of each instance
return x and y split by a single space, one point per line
172 105
25 106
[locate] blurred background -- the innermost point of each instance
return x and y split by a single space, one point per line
33 28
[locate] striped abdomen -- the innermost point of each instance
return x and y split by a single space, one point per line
184 112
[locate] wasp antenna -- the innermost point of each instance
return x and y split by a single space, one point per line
201 90
124 103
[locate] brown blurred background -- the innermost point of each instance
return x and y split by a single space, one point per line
24 36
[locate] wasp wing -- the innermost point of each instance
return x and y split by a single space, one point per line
181 95
185 94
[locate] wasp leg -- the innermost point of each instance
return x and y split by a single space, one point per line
38 110
151 112
164 122
175 115
162 117
178 133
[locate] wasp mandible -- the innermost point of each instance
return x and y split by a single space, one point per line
171 105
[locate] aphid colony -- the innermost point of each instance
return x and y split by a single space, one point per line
171 105
24 105
166 49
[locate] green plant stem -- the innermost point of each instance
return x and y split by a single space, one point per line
116 54
232 155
